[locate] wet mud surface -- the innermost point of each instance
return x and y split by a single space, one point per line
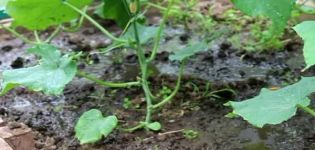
196 107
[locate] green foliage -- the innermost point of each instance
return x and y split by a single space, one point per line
145 33
190 134
305 9
40 14
92 126
274 107
155 126
128 104
250 34
3 4
51 75
279 12
186 13
164 92
189 51
55 70
3 15
307 32
115 10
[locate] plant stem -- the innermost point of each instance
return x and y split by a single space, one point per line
110 48
79 23
104 83
141 125
95 23
143 65
169 98
307 109
18 35
53 35
133 21
144 76
38 40
159 33
156 6
206 94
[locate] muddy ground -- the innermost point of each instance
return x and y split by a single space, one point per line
221 67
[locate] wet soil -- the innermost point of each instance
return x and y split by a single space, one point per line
194 108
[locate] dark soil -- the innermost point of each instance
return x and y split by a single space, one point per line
52 118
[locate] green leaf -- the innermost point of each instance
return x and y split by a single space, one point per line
306 9
146 33
155 126
115 10
92 126
50 76
3 15
279 12
307 31
274 107
40 14
189 51
3 4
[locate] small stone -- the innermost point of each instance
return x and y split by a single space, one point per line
49 142
39 145
161 138
14 125
75 39
2 122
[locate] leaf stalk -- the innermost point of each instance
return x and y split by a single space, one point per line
18 35
97 25
159 33
107 84
171 96
307 109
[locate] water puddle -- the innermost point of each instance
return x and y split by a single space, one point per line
256 139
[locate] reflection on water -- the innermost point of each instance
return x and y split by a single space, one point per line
256 139
256 146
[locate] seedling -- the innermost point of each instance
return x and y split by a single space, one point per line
190 134
128 104
164 92
60 68
270 107
186 12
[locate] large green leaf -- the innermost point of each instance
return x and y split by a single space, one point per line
189 51
307 31
50 76
278 11
146 33
115 10
92 126
40 14
274 107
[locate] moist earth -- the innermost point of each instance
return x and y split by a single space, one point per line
196 107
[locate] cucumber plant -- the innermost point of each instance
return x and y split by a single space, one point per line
60 69
55 69
274 107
